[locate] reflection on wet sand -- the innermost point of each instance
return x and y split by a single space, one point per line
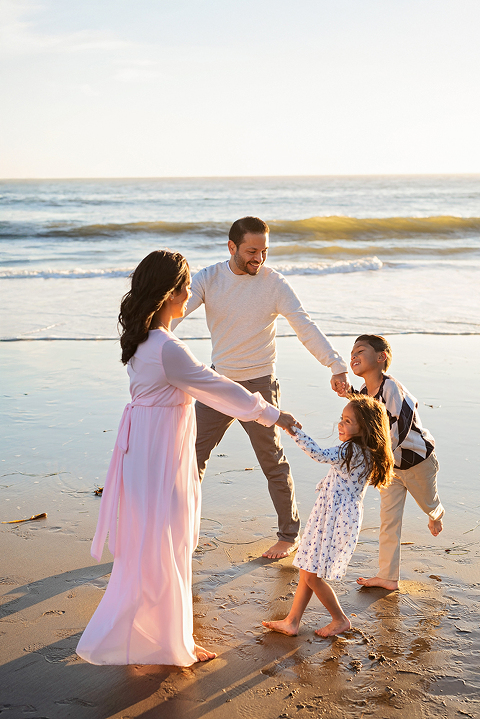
414 651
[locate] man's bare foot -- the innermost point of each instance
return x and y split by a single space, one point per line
281 549
435 526
378 582
336 626
203 655
284 626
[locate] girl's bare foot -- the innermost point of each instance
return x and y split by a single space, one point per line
378 582
284 626
336 626
435 526
203 655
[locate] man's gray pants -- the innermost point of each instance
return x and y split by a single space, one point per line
212 425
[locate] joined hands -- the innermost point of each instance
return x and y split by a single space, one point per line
287 422
343 389
339 383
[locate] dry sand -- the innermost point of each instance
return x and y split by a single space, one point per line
415 651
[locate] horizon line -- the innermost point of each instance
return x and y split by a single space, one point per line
239 177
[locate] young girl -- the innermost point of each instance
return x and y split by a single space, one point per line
331 534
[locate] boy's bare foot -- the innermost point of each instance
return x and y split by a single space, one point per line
281 549
284 626
378 582
336 626
435 526
203 655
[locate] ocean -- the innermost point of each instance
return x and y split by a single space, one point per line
387 254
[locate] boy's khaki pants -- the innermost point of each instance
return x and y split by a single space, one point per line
421 482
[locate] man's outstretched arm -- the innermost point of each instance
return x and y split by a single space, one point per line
310 335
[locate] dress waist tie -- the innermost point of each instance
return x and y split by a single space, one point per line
107 517
123 436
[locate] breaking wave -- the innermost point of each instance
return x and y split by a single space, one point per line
314 228
298 268
351 228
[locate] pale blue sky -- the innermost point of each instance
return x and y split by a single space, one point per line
137 88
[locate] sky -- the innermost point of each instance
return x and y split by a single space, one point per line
165 88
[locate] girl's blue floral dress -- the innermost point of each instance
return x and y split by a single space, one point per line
332 530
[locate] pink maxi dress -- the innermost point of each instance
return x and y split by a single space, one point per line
151 506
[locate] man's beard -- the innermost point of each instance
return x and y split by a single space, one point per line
243 266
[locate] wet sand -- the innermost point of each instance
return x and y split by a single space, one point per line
416 650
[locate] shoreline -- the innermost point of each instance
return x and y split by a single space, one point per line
207 337
414 650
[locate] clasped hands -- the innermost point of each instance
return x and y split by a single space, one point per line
339 384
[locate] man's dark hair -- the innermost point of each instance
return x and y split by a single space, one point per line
247 224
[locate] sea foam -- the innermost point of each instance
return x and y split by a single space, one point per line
299 268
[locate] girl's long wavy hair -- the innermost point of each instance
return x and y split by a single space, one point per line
158 274
373 440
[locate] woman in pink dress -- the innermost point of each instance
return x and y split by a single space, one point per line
151 500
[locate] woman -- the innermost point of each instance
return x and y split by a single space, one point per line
146 614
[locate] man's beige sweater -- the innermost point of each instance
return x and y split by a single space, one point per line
241 313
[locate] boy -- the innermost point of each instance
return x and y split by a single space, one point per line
416 465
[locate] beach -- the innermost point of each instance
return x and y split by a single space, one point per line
126 146
416 650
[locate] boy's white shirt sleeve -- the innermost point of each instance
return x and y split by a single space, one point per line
290 307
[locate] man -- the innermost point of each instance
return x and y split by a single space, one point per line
243 297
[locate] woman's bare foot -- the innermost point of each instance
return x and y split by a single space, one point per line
336 626
378 582
280 549
435 526
203 655
284 626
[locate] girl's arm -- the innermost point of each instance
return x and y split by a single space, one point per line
310 447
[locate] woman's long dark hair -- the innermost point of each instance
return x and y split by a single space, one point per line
373 441
158 274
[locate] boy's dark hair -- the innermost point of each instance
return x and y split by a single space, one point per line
379 344
247 224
